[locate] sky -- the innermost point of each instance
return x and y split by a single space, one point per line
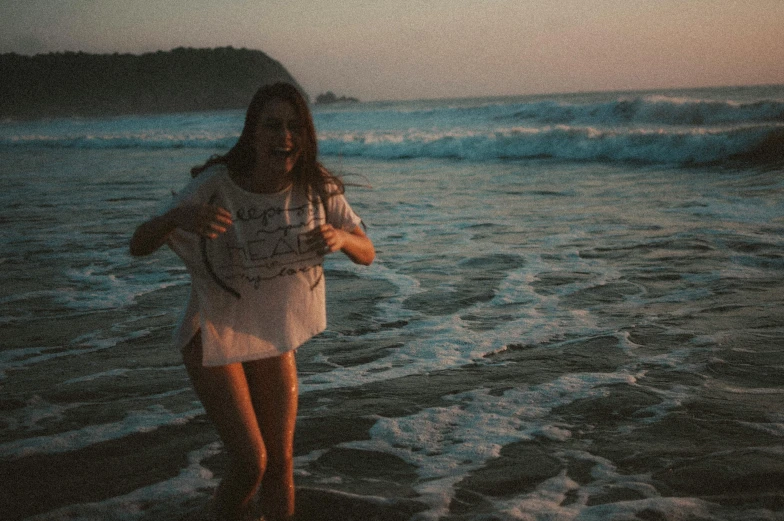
424 49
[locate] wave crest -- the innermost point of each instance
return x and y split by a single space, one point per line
657 146
659 110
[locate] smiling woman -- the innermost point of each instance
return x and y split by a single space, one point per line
278 141
253 228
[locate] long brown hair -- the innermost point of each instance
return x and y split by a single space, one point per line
308 173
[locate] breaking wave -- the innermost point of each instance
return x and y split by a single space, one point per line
655 129
657 146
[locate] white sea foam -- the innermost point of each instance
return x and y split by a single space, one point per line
36 411
547 503
146 420
114 373
14 359
99 287
167 497
443 342
445 443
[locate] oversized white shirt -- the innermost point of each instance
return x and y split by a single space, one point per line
256 290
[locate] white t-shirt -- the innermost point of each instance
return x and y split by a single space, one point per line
256 290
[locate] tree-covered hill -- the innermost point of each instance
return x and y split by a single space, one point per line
181 80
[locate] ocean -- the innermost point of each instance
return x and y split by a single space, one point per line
576 313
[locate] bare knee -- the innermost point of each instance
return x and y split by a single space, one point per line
250 470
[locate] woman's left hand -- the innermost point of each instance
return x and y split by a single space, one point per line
355 244
325 239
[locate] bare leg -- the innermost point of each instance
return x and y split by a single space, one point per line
273 389
226 397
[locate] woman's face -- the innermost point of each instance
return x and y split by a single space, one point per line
278 140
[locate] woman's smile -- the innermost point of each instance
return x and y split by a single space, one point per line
278 140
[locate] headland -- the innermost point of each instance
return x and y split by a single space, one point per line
180 80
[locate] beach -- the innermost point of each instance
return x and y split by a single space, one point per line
576 313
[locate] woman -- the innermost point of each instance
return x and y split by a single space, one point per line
253 228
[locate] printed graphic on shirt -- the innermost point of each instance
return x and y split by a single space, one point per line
262 244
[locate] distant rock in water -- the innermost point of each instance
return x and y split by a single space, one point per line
329 97
181 80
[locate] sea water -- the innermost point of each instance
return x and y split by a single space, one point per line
576 313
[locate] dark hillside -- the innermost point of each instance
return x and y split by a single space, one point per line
181 80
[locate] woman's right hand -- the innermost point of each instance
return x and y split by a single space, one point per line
205 220
202 219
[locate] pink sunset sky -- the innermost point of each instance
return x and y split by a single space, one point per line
410 49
